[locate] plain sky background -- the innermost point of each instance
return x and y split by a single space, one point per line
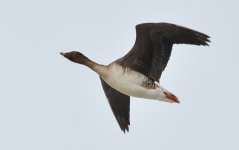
48 102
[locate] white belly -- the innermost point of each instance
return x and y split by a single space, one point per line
130 83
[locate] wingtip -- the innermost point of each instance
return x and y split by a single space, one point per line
207 41
203 39
125 129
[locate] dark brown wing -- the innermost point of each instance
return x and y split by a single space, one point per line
120 105
153 46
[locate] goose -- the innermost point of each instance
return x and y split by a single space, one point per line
137 73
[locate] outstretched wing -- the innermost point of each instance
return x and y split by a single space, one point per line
120 105
153 46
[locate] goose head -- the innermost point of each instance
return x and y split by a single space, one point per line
75 56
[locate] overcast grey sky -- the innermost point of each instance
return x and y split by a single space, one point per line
47 102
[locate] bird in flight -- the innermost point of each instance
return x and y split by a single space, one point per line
137 73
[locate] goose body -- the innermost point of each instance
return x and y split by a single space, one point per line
133 83
137 73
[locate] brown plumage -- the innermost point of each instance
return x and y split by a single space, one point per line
148 59
153 46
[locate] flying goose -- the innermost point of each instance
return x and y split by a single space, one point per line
137 74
